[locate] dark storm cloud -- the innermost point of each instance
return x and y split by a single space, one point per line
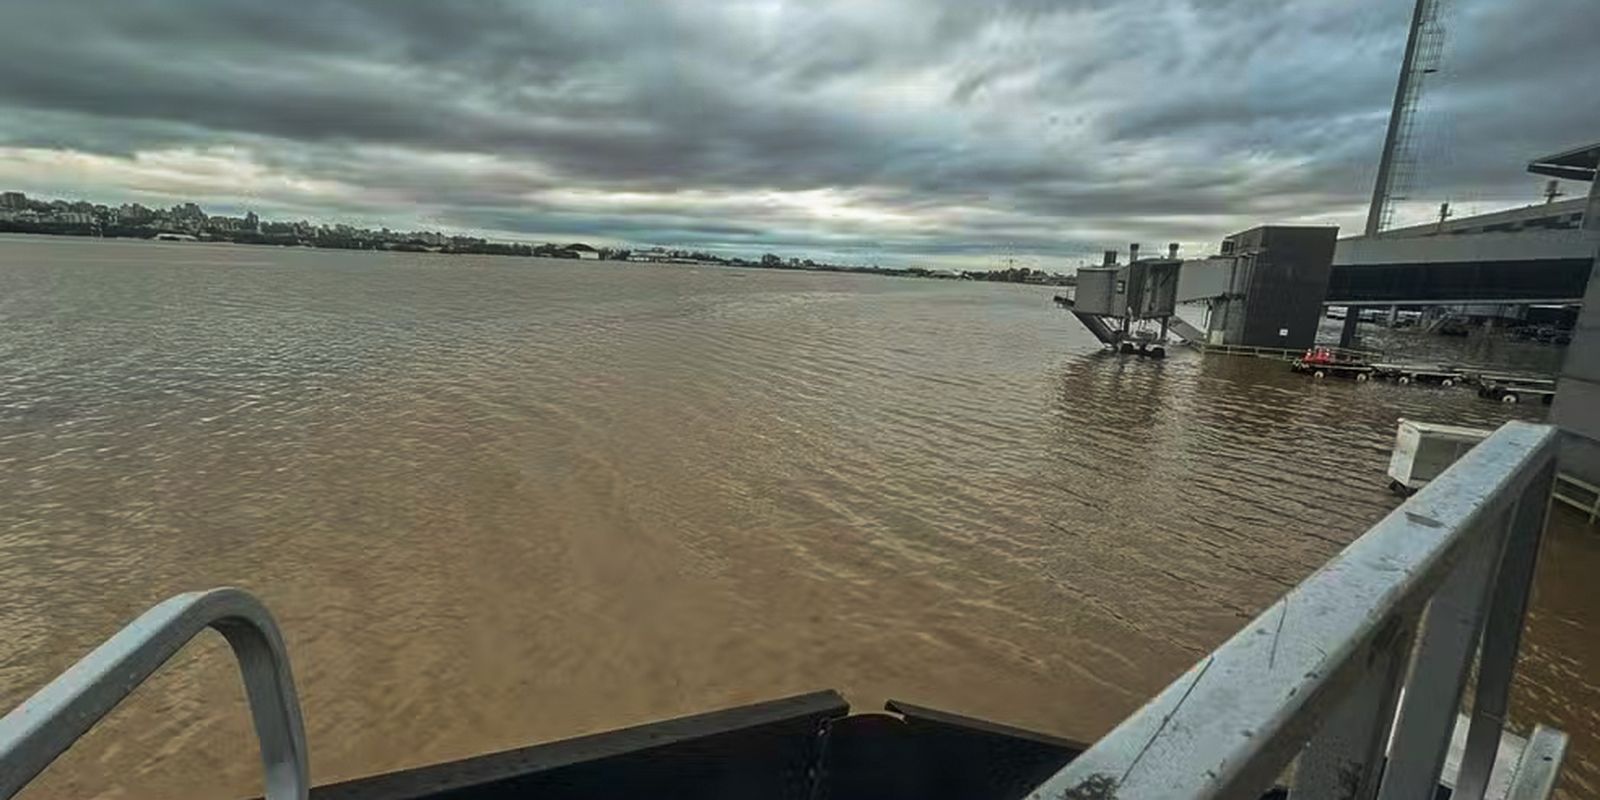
887 129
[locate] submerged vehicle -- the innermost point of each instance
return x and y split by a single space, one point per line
1516 388
1320 362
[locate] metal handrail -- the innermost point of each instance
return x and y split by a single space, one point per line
1318 676
35 733
1590 505
1280 353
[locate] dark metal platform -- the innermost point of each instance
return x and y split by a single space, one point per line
807 747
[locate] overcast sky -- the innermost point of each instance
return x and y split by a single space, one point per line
892 131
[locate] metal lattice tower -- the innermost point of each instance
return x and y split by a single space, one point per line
1397 169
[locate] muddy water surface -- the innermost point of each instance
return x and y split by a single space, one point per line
499 501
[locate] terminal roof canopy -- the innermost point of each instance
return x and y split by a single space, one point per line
1577 164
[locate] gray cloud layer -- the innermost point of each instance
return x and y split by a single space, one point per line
887 130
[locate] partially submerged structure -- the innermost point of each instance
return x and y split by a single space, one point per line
1263 290
1119 302
1266 287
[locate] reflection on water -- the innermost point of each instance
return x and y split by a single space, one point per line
497 501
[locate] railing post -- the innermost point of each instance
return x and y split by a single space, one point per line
1326 659
1448 639
1502 635
1344 759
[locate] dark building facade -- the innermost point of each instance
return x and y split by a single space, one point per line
1506 281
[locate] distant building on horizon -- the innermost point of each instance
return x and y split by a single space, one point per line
133 212
583 251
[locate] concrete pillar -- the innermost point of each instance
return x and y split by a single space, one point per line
1577 403
1394 316
1347 334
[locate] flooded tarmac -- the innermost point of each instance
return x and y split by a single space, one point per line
499 501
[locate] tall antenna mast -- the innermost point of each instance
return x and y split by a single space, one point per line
1424 46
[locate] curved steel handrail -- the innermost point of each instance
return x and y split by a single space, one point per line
46 724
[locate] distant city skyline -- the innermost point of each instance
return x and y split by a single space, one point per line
188 221
934 131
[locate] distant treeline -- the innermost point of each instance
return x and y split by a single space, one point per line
323 240
283 235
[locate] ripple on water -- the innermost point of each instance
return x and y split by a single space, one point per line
497 501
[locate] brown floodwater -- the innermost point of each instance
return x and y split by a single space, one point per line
500 501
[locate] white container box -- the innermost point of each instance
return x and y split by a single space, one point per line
1422 450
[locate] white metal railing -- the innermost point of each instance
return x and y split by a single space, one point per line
1316 680
1579 494
46 724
